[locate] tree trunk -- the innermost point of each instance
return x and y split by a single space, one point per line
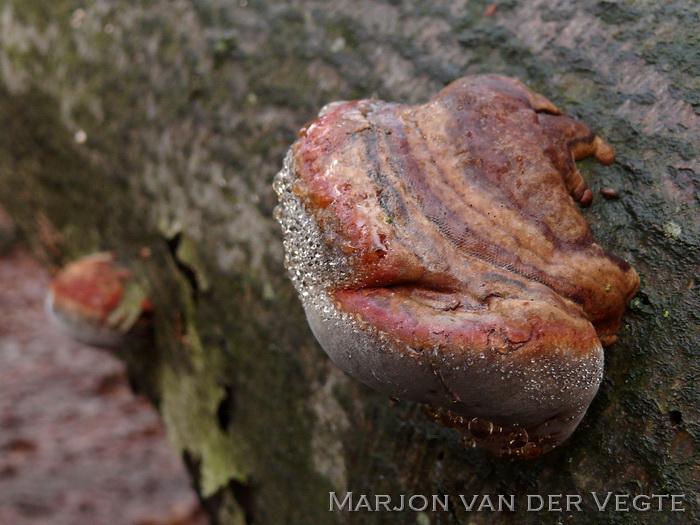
161 124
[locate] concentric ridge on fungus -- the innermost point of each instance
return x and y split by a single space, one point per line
441 257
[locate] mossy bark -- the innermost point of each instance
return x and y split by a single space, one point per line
161 124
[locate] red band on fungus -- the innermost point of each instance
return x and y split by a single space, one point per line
441 257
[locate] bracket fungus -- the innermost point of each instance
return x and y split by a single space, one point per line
98 302
440 257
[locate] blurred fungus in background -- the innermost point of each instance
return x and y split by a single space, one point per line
77 445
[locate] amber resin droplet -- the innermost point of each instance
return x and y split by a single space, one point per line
441 257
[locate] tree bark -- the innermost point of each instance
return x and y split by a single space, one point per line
161 124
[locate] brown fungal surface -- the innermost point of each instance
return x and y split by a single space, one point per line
440 257
98 302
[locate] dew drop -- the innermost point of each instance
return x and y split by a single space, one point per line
531 450
457 420
480 428
468 442
518 438
505 451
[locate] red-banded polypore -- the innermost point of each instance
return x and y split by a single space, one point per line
441 257
98 302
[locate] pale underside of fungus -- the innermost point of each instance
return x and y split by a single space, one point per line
441 257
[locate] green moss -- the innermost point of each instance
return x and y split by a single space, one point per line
188 255
189 403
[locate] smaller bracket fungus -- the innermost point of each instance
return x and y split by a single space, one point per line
99 303
441 257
